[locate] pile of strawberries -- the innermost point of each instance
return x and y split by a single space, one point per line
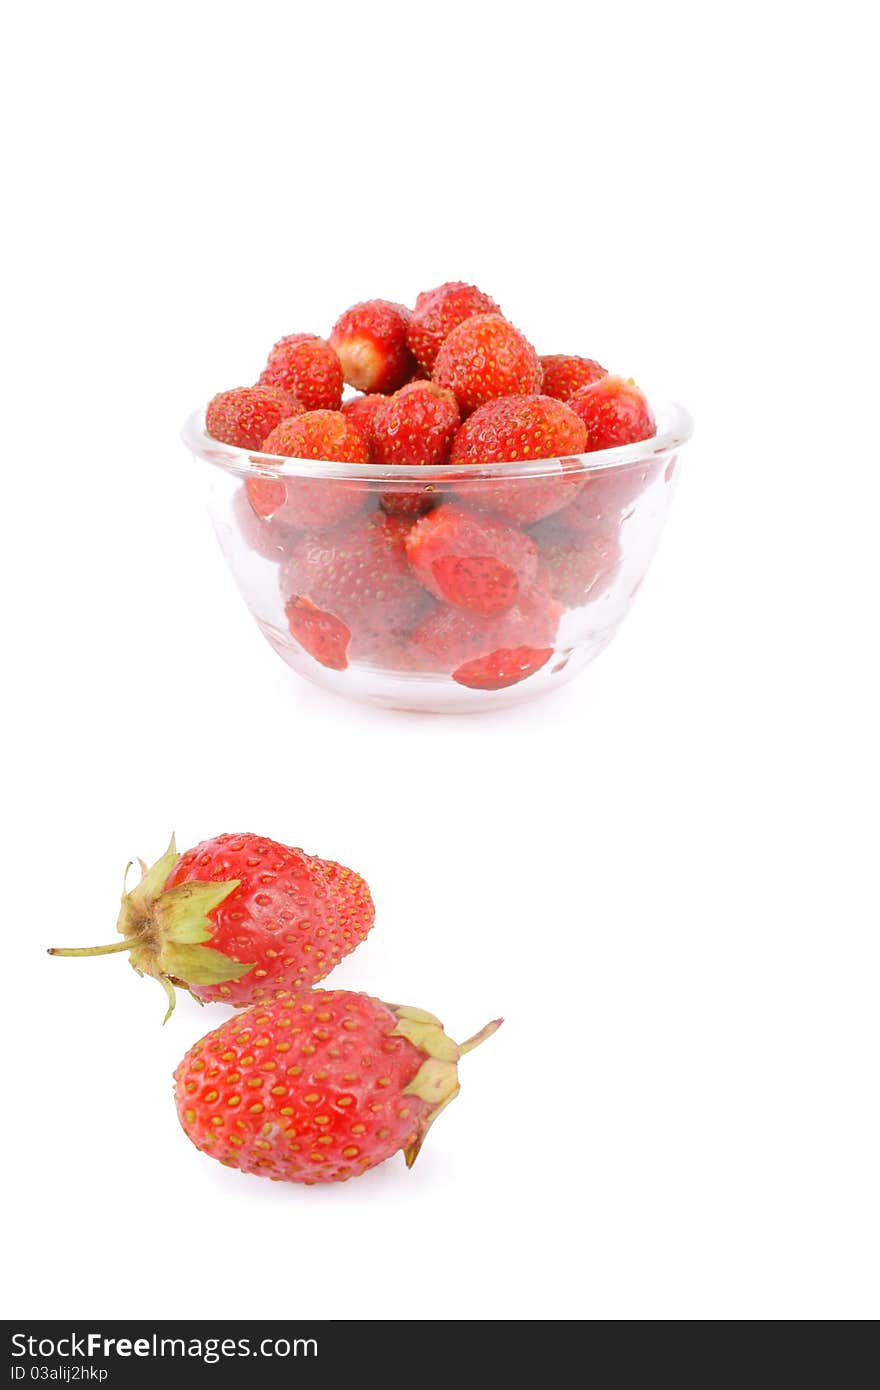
470 577
305 1085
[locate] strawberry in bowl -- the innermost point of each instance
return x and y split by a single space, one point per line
422 482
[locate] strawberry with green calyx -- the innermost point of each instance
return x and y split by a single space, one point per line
165 931
319 1086
274 917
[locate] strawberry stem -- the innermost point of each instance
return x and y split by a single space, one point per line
125 945
480 1037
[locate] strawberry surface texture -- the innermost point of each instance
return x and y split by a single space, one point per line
307 367
563 375
247 414
318 1086
517 429
486 357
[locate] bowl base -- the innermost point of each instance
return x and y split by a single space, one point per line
413 692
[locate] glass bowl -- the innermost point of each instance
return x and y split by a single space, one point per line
438 588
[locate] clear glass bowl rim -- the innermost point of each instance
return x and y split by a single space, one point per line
675 426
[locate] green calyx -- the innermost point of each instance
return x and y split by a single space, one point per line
165 930
436 1081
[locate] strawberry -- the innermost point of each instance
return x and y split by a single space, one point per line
321 634
308 368
275 918
352 899
358 573
318 434
502 668
268 537
245 415
470 559
519 428
415 427
564 375
448 636
437 312
615 412
360 411
486 357
318 1086
370 342
298 503
311 503
608 494
578 565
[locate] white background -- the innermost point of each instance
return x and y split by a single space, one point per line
665 875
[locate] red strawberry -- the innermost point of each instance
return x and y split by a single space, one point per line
245 415
311 503
268 537
608 494
564 375
448 636
352 899
318 1086
615 412
360 411
370 342
275 918
502 668
359 573
486 357
519 428
287 902
578 565
318 434
470 559
322 635
308 368
415 427
438 311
